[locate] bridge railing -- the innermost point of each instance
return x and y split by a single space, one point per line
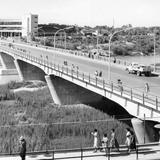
133 94
125 91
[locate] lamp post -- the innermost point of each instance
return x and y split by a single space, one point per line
154 46
64 33
109 50
97 41
97 37
154 37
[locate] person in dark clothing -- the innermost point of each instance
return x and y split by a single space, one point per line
113 141
22 152
133 141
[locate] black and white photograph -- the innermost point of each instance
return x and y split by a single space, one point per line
79 79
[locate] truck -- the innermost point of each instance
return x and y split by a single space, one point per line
139 69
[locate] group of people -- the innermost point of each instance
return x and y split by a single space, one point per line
113 143
130 140
98 73
120 86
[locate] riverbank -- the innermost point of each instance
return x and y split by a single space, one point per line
45 124
148 60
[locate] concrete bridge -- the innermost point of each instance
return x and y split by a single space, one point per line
71 80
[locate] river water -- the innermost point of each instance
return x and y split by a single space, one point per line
7 78
148 60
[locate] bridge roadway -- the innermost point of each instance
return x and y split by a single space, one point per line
151 152
89 66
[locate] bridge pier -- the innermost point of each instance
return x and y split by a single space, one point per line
4 66
66 93
28 71
8 67
52 89
144 131
19 70
7 61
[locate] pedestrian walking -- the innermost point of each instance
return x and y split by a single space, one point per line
95 135
113 141
104 142
128 139
96 73
133 141
100 74
146 89
120 86
22 152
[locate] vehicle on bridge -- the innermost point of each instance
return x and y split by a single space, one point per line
139 69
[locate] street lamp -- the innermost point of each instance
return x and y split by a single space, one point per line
154 37
154 45
97 35
109 50
64 33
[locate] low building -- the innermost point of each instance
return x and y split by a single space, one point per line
25 27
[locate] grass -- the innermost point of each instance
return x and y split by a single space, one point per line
46 125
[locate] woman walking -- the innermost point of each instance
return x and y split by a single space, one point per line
113 142
95 135
128 139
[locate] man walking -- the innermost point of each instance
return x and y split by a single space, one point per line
22 148
146 89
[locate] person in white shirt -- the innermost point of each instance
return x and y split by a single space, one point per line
146 89
113 141
128 139
104 142
95 135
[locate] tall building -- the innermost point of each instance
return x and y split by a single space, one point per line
26 27
30 25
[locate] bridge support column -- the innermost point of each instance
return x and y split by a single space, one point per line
144 132
18 70
4 66
52 89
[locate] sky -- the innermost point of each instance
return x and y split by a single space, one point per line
86 12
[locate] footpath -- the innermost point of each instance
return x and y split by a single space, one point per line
145 153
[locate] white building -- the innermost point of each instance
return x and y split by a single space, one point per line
30 25
10 27
26 27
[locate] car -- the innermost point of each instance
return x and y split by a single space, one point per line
139 69
130 67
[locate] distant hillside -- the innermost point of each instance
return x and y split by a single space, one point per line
86 37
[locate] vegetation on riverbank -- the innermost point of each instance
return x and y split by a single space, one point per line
46 125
